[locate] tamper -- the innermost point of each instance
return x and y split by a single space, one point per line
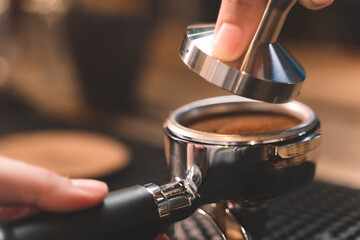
266 72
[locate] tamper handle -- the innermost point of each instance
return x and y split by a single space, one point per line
125 214
273 20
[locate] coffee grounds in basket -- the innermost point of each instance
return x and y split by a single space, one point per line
244 123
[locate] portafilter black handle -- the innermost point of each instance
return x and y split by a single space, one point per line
130 213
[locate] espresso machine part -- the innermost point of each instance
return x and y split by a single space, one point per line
266 71
205 168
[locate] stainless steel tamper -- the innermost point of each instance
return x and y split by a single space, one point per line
266 72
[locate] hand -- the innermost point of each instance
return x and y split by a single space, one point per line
237 23
25 189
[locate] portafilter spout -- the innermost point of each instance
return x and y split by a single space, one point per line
266 72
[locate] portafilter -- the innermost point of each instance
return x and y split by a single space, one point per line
206 167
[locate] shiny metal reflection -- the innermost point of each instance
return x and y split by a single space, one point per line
266 72
211 167
230 174
200 225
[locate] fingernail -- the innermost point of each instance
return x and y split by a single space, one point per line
90 185
320 2
227 42
316 4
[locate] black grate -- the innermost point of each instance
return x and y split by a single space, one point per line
320 211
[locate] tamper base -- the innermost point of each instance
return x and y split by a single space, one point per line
266 72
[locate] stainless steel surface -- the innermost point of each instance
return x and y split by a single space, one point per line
162 204
273 20
190 229
252 216
229 104
210 167
179 198
299 148
242 166
173 201
230 227
265 72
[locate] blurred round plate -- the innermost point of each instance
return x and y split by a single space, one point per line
76 154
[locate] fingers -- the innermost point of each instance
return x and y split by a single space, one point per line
235 27
26 185
315 4
11 213
237 23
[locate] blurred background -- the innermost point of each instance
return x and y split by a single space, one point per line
114 65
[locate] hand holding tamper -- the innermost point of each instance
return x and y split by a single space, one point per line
265 72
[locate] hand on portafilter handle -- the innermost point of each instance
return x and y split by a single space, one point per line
237 23
23 185
27 189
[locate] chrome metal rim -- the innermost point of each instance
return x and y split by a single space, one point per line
230 104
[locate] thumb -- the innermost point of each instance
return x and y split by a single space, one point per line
237 23
22 184
235 27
